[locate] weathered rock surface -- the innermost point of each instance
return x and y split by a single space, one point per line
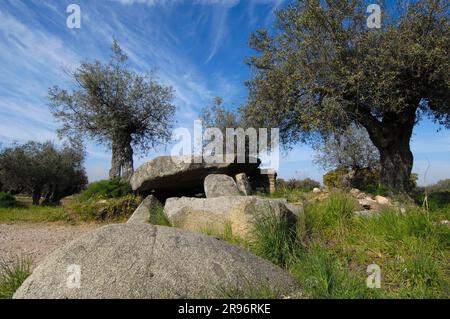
142 214
183 175
382 200
146 261
368 203
214 214
217 185
243 184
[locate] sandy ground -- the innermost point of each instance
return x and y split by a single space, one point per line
36 240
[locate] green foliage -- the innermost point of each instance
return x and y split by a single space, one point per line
115 106
111 188
322 70
441 186
226 235
12 276
273 237
346 149
436 201
306 184
111 210
7 200
331 249
292 195
334 178
157 216
42 169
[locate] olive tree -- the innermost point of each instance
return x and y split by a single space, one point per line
322 69
350 149
115 106
43 170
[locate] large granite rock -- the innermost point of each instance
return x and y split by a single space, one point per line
146 261
172 176
215 214
217 185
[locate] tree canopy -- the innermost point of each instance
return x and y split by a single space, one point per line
115 106
323 69
43 170
351 149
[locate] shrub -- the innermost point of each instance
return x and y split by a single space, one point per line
111 210
7 200
334 178
306 184
12 276
112 188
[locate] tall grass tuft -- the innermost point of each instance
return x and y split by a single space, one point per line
12 276
274 237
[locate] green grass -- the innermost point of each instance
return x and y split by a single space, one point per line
226 235
12 276
102 210
33 214
329 249
158 217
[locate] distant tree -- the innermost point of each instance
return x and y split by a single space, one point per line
323 69
351 149
117 107
41 169
216 115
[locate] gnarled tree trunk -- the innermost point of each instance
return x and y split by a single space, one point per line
392 138
122 158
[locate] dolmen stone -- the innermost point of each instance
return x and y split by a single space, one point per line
146 261
215 214
217 185
183 175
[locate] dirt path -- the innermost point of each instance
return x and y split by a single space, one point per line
36 240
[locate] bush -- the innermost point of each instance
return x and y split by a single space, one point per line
112 188
334 179
111 210
306 184
365 179
7 200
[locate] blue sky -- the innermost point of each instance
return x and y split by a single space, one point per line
196 46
